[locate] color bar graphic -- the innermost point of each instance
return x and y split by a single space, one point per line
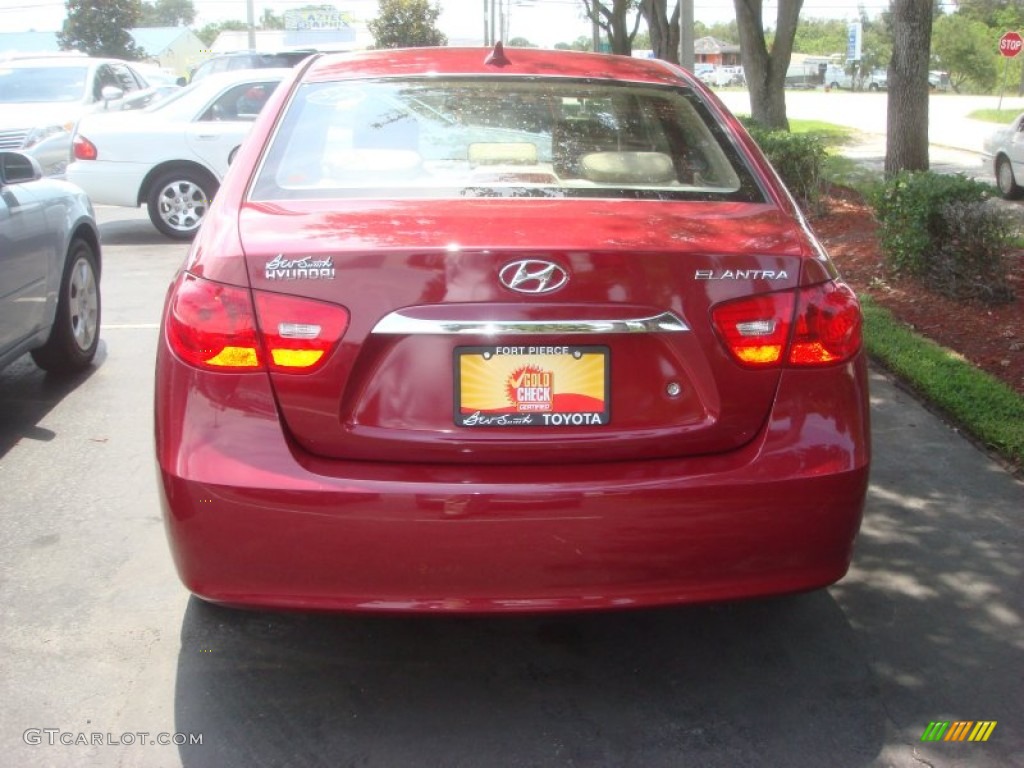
959 730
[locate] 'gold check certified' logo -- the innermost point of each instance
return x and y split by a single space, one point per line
960 730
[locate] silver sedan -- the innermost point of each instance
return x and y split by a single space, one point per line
49 269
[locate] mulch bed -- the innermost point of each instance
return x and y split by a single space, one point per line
991 337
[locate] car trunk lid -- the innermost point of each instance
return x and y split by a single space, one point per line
447 358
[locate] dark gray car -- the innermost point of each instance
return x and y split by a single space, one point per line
49 269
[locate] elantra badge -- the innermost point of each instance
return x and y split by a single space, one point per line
533 276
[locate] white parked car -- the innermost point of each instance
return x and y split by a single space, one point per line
1004 149
42 97
171 157
725 76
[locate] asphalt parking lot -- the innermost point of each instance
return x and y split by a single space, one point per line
101 644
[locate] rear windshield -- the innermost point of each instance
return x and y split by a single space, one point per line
502 137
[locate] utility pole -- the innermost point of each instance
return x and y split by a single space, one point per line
487 28
250 13
596 29
686 55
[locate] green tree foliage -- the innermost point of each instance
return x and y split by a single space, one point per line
876 42
100 28
999 16
208 34
407 24
167 13
726 31
520 42
270 20
581 43
996 14
820 37
965 49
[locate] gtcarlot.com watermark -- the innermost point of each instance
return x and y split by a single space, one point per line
52 737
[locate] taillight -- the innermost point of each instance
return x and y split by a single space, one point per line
819 325
827 327
83 149
213 326
755 329
298 333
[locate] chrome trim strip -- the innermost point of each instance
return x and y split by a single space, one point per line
399 324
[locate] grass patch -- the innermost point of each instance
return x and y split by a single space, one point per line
978 403
840 170
830 133
994 115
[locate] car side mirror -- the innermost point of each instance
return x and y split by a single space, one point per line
17 168
111 93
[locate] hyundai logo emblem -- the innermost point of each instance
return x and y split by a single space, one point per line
533 276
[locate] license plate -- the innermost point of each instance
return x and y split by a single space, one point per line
532 386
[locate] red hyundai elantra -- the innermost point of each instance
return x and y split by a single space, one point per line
520 330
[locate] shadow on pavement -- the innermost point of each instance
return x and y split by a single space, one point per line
937 585
131 231
772 682
28 393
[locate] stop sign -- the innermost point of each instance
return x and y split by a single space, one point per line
1010 44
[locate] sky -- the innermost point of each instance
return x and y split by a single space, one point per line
542 22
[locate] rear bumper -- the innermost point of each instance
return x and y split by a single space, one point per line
109 183
254 521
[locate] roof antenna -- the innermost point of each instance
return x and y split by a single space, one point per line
497 57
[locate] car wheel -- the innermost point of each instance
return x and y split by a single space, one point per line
178 202
76 328
1005 180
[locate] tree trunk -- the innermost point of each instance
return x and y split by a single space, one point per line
907 119
766 71
614 23
664 30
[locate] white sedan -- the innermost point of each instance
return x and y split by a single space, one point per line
1004 148
172 156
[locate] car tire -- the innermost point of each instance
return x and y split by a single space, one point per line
1006 181
75 334
178 201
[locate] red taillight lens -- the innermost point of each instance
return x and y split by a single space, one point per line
825 321
213 326
755 329
828 326
83 149
298 333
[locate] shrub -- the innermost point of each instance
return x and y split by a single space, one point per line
970 261
937 228
909 211
799 158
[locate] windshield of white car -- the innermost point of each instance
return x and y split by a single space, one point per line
24 85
